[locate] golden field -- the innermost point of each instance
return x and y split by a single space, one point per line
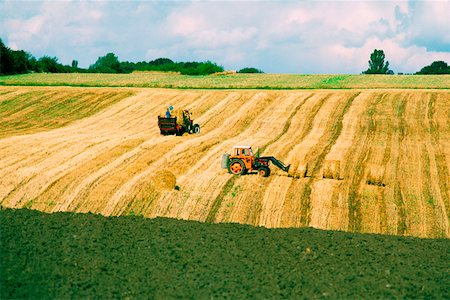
103 153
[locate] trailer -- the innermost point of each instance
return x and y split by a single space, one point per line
179 124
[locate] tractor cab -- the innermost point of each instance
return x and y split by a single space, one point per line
242 152
244 157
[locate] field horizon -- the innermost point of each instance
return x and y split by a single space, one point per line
231 81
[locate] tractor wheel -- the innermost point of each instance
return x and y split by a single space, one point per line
196 129
236 167
264 171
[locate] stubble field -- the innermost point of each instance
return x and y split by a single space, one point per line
393 146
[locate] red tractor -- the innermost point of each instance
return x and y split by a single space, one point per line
242 161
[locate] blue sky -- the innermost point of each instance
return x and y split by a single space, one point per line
307 37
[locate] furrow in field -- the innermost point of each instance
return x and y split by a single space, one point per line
94 191
38 110
435 190
328 208
247 195
59 188
319 152
439 117
414 166
59 151
139 179
275 193
357 160
376 205
227 204
191 150
49 142
396 206
299 132
393 149
331 192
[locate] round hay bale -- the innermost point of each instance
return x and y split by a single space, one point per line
298 170
331 169
375 175
164 180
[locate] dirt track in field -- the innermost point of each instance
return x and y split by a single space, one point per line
104 163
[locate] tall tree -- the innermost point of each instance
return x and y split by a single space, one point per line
6 59
377 64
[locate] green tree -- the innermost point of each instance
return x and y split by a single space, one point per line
198 68
106 64
21 60
250 70
6 59
437 67
160 61
377 64
50 64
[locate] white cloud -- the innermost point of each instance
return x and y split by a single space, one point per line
275 36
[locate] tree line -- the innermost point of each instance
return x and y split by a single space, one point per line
21 62
377 65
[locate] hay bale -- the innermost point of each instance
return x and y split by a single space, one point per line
179 114
331 169
298 171
375 175
164 180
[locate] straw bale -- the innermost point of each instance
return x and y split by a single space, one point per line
375 175
298 171
179 114
164 180
331 169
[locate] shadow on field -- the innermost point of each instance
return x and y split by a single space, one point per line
65 255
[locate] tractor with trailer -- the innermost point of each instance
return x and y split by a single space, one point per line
242 161
179 123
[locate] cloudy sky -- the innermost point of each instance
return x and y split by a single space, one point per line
275 36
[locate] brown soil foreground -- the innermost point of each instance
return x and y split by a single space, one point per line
393 148
85 256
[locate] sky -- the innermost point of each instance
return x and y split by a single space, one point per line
301 37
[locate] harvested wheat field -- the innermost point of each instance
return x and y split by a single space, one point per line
376 161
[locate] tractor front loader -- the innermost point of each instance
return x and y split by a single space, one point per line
242 161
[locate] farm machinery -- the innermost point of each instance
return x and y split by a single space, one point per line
242 161
179 123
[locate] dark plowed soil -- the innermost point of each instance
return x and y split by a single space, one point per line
66 255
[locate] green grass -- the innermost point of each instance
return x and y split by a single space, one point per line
233 81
